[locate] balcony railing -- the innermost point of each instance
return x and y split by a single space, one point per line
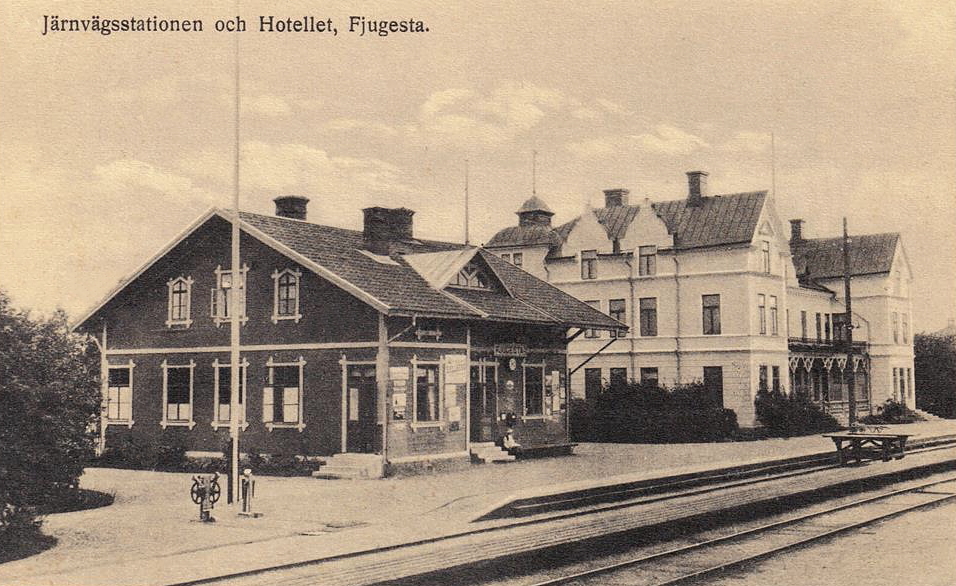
826 346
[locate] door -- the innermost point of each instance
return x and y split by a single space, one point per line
484 399
361 395
714 385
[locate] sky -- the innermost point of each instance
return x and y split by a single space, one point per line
111 145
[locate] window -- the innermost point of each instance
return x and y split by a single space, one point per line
773 315
616 309
470 277
534 389
591 332
592 383
714 385
589 264
286 295
765 256
904 319
711 314
506 256
896 386
839 329
826 326
649 316
775 378
222 393
819 328
762 379
803 325
221 298
647 261
119 394
178 395
178 310
762 312
909 377
649 376
282 398
618 377
427 392
896 328
902 372
518 259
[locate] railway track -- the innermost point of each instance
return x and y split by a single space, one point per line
429 561
696 561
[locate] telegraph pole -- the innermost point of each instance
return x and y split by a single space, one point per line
234 318
466 201
849 373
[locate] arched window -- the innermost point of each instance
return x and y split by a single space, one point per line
471 277
178 313
286 305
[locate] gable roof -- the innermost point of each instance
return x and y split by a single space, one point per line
402 285
822 258
715 221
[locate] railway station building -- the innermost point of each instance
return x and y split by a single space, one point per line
370 343
718 289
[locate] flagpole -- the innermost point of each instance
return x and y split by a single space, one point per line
466 201
235 310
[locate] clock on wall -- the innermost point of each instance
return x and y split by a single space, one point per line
512 364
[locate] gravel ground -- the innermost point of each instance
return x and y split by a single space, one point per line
153 515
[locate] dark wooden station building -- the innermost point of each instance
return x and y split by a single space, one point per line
372 342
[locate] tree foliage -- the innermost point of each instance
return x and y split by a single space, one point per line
785 415
49 402
935 373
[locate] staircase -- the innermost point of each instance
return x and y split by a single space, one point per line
926 415
489 452
351 466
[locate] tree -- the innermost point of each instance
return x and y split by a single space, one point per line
935 365
49 403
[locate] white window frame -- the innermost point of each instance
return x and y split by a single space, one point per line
506 256
191 422
215 304
183 321
589 260
106 414
774 317
243 394
517 259
765 262
524 392
296 314
440 421
762 313
269 390
647 261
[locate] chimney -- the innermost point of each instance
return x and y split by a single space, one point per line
615 197
291 206
796 230
384 227
696 187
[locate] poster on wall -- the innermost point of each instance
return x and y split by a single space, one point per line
451 395
399 402
398 373
456 369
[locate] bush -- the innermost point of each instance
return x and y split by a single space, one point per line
892 412
50 402
785 415
636 413
935 373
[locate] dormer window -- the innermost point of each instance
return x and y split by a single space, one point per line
765 256
517 259
221 296
588 264
178 313
647 261
470 277
286 295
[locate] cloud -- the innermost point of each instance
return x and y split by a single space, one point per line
594 148
669 140
364 126
747 142
266 105
132 176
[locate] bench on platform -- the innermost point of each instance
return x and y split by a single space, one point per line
852 446
541 451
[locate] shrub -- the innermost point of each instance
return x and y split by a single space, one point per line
784 415
892 412
636 413
50 400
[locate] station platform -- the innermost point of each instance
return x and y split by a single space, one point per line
426 524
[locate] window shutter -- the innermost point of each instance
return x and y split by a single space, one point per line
213 309
267 404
